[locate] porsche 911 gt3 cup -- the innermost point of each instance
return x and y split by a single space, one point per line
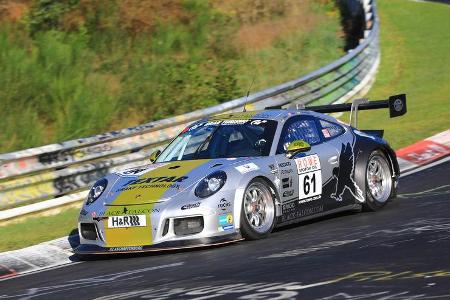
239 175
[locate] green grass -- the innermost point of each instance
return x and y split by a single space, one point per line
415 59
37 229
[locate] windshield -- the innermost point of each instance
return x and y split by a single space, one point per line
221 139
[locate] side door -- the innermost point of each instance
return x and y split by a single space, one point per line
340 189
304 175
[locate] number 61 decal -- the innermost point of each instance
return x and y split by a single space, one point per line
309 177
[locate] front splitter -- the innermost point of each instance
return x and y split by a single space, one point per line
88 249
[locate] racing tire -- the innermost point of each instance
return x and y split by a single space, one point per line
379 181
258 210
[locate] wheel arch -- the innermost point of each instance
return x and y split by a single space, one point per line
262 179
364 151
243 184
274 191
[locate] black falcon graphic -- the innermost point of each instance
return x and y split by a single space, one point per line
344 175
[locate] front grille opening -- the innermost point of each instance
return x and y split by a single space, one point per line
187 226
88 231
166 227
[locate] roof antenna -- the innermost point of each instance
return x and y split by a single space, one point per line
248 93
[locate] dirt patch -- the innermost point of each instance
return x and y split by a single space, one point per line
13 10
139 16
132 15
258 36
254 11
260 28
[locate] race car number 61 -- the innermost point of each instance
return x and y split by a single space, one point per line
310 184
309 176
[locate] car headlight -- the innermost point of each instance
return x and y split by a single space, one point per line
97 190
210 184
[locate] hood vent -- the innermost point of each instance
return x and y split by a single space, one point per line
216 165
174 167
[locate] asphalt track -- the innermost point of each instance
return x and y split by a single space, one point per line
401 252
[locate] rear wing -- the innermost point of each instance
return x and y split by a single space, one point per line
396 105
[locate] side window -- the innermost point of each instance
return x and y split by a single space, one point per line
298 129
330 130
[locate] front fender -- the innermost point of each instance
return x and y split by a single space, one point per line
243 184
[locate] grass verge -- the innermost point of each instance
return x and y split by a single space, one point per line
415 55
37 229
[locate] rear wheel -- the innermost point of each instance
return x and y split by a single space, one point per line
258 211
379 181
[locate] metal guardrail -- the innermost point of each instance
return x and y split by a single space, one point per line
68 168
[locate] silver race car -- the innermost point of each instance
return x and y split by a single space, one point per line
239 175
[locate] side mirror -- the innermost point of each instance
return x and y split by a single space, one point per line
154 155
296 147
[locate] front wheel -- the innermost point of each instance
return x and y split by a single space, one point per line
258 211
379 181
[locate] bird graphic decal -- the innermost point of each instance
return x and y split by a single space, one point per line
343 175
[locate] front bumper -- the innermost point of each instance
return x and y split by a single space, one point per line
169 224
88 249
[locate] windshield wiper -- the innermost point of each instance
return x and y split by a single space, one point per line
208 138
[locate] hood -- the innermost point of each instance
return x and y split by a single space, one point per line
160 182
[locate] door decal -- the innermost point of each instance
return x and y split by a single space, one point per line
344 174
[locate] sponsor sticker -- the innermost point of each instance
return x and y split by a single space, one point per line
258 122
224 205
128 211
190 205
292 211
159 179
226 222
287 182
127 221
288 193
286 171
326 133
161 182
227 122
195 126
308 163
247 168
129 248
226 219
140 170
133 172
285 164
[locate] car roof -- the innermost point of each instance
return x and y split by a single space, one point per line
268 114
